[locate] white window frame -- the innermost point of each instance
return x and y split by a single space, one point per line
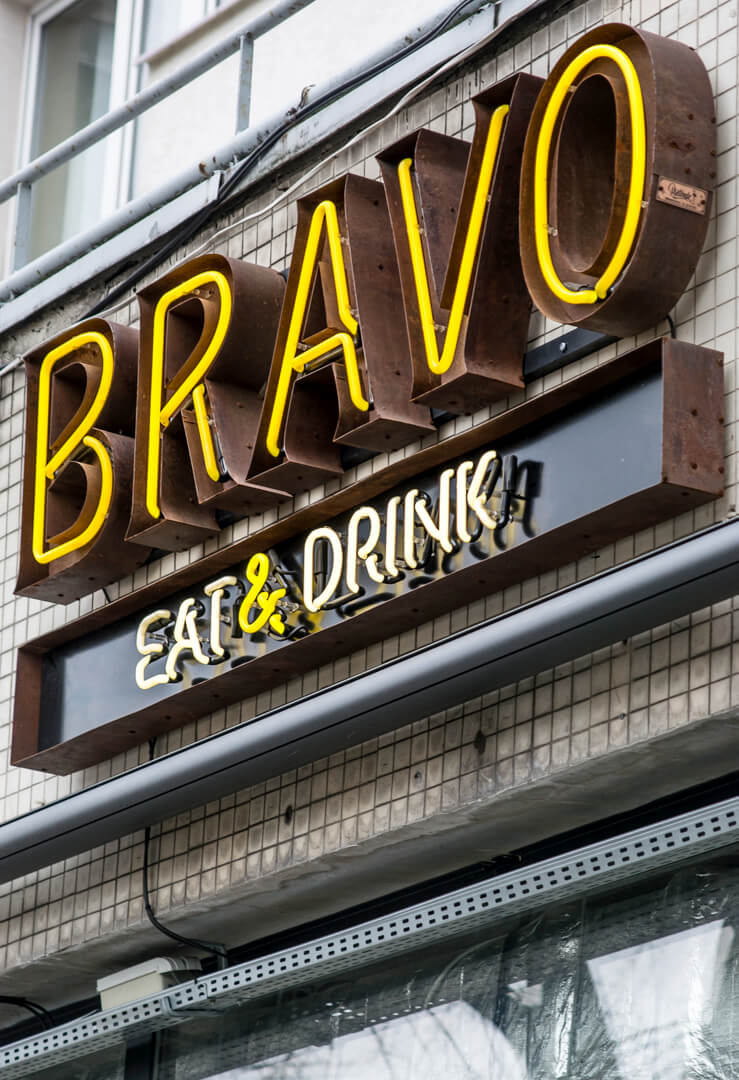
137 61
126 79
126 37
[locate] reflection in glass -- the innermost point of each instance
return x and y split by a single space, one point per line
636 985
445 1041
108 1064
658 999
75 64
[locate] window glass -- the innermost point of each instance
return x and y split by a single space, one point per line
165 19
73 88
106 1064
638 985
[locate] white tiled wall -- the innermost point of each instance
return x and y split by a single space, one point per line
450 764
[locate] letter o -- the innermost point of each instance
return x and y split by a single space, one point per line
622 113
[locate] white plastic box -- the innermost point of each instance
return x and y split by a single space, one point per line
143 980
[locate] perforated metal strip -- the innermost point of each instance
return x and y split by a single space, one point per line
456 912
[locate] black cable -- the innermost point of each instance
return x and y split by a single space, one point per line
39 1011
671 324
215 948
195 223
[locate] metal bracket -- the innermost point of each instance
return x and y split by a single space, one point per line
595 866
574 345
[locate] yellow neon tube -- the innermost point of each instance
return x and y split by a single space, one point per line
161 414
150 650
45 470
206 437
440 364
257 572
292 363
636 180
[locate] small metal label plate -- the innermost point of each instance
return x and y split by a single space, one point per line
682 195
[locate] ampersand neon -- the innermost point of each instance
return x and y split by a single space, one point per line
257 574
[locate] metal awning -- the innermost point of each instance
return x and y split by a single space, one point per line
649 591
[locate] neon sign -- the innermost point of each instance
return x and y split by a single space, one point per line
403 295
391 544
623 446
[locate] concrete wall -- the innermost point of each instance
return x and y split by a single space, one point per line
608 731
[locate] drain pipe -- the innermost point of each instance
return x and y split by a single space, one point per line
663 585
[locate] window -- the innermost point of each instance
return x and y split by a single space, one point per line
71 82
89 56
83 62
165 20
637 983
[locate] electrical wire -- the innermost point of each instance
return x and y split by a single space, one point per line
215 948
42 1014
361 135
195 223
108 306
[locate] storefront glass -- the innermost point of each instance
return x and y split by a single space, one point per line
637 985
108 1064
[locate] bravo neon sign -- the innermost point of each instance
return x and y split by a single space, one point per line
403 295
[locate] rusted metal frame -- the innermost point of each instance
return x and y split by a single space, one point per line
105 559
446 172
680 138
692 468
439 164
320 416
189 497
381 480
541 360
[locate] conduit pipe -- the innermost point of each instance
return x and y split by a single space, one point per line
683 577
148 97
244 143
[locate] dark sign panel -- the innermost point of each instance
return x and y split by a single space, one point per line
579 469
